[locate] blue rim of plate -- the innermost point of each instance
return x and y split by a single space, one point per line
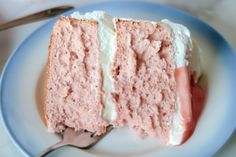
91 7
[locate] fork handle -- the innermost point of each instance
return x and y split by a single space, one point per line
35 17
52 148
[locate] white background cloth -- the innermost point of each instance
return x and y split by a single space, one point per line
220 14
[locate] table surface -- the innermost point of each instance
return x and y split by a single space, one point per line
217 13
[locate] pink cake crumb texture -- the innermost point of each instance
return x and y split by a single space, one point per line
144 81
74 85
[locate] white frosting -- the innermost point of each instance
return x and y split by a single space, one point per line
106 36
177 129
182 43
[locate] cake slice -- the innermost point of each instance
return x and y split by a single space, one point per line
122 72
74 85
150 89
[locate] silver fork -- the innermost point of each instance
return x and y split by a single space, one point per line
80 139
48 13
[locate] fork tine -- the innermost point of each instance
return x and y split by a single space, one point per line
97 138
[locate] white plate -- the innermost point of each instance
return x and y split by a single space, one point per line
21 83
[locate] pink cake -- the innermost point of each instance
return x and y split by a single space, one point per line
74 84
145 85
122 72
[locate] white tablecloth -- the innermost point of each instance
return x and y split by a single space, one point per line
218 13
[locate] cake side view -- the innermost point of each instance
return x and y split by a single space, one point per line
124 72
